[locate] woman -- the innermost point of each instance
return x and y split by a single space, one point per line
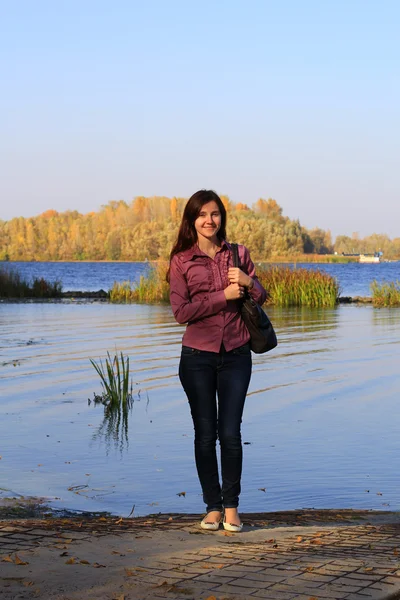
216 358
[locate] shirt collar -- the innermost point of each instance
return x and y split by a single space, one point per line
194 251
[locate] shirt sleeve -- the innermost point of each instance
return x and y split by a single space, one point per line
184 310
258 293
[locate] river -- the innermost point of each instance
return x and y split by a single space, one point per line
320 425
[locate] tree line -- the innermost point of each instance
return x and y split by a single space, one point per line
146 228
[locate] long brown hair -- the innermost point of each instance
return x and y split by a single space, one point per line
187 235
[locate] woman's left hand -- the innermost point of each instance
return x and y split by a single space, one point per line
235 275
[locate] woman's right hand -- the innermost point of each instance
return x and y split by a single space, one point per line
234 291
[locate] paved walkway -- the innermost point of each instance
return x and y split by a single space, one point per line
305 555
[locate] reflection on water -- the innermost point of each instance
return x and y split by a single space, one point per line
114 429
320 419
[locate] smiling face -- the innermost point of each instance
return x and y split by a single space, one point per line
208 222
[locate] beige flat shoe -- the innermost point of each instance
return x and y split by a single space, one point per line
210 525
232 527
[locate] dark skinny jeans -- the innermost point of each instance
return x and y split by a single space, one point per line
206 377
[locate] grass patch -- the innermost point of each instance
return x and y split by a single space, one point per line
12 285
385 294
152 289
299 287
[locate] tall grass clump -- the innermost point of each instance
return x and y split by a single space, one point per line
385 294
152 289
117 399
114 377
12 285
299 287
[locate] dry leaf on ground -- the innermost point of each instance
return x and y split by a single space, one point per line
7 559
18 561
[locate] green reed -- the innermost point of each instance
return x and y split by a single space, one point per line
117 399
152 289
385 294
299 287
114 376
12 285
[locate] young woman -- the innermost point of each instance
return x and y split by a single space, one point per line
216 359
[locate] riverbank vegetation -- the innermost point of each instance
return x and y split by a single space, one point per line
286 287
152 289
385 294
146 228
299 287
12 285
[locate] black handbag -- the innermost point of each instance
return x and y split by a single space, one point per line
262 334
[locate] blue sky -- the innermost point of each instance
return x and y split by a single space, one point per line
296 100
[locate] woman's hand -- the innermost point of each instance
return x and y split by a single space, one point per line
234 291
235 275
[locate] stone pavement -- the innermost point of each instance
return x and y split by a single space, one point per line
303 555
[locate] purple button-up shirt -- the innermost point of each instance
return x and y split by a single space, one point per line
197 284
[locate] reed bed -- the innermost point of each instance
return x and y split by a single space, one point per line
285 286
12 285
385 294
152 289
299 287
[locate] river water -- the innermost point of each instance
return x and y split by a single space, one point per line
320 425
354 278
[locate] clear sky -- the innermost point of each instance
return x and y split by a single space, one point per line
298 100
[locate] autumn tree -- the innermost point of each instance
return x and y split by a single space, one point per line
269 208
147 228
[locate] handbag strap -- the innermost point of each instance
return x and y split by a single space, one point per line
235 252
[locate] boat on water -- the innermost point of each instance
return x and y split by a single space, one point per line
370 258
376 257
